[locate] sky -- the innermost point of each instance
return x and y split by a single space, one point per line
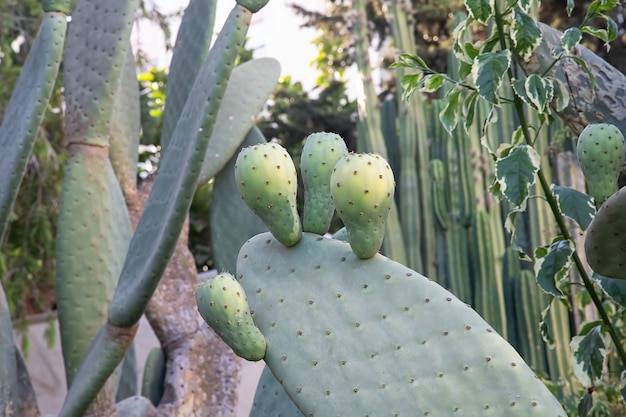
275 32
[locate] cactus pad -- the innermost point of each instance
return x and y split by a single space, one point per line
348 336
362 189
320 153
600 150
605 239
223 304
267 181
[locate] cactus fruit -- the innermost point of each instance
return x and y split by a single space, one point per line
605 240
600 152
223 304
267 181
362 189
320 153
371 337
252 5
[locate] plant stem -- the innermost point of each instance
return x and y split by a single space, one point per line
545 186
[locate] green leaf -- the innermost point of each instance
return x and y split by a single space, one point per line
614 288
488 71
432 83
410 84
561 93
583 64
516 173
481 10
544 329
469 109
601 34
552 263
410 61
519 88
540 91
598 6
570 6
526 34
570 38
449 116
574 204
589 354
585 404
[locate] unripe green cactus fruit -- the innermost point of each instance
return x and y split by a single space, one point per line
362 189
600 152
605 239
223 305
320 153
267 181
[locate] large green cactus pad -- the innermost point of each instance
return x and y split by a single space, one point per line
271 400
347 336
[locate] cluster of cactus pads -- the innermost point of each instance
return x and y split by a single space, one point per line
343 329
601 150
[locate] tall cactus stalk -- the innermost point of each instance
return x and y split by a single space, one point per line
92 207
28 103
162 220
416 211
370 138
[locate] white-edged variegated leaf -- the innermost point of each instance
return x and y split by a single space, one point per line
449 115
552 263
516 172
574 204
488 71
526 34
570 38
480 10
432 82
561 94
589 350
519 88
539 90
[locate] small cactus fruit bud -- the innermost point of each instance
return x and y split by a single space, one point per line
252 5
600 152
320 153
268 182
223 305
362 188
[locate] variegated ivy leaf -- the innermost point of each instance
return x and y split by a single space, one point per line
519 88
469 109
589 353
614 288
449 116
432 83
570 38
574 204
516 173
526 34
511 228
539 90
488 71
481 10
544 328
570 7
552 263
561 93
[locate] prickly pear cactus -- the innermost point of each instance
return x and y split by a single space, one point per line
223 304
320 153
600 150
267 181
367 337
362 189
605 239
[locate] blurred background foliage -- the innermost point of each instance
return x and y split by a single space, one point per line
27 252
